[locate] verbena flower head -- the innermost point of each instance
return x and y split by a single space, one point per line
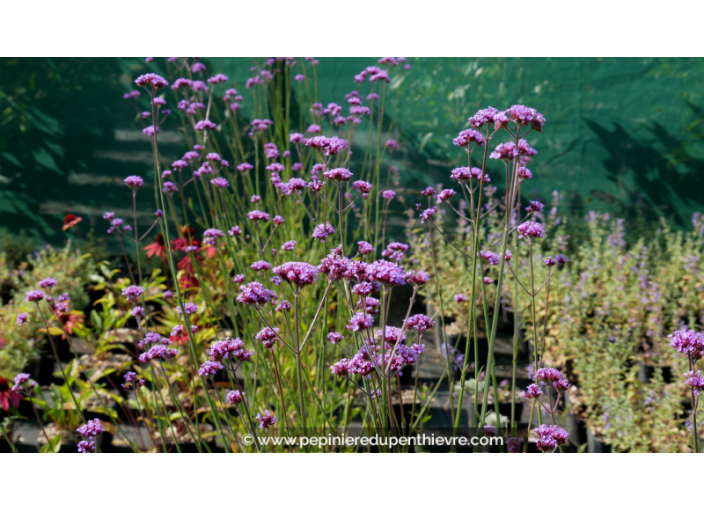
156 81
283 307
524 173
86 446
417 278
365 247
261 265
427 214
419 323
169 187
561 385
323 231
266 420
225 349
338 174
363 187
210 368
388 194
21 318
213 233
694 380
561 260
363 289
467 137
188 308
23 382
386 273
202 125
392 335
244 167
550 436
395 251
258 216
505 151
132 382
132 293
429 191
341 368
688 342
524 149
220 182
234 397
91 429
158 352
460 298
328 146
48 283
268 336
255 294
335 337
534 206
531 229
299 274
334 266
134 181
532 391
360 321
445 195
482 117
513 444
524 116
548 375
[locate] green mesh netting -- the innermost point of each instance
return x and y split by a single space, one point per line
623 135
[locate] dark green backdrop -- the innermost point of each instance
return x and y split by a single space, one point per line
619 131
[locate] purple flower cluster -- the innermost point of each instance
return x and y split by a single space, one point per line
688 342
134 182
34 295
158 352
210 368
299 274
531 229
328 146
467 137
267 419
334 266
694 380
188 308
91 429
550 437
255 294
268 336
132 382
323 231
132 293
228 348
339 174
360 321
234 397
385 272
419 323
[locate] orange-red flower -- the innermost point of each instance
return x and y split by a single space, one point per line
8 395
71 221
69 321
188 239
157 248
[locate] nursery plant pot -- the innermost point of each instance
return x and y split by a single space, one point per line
595 445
